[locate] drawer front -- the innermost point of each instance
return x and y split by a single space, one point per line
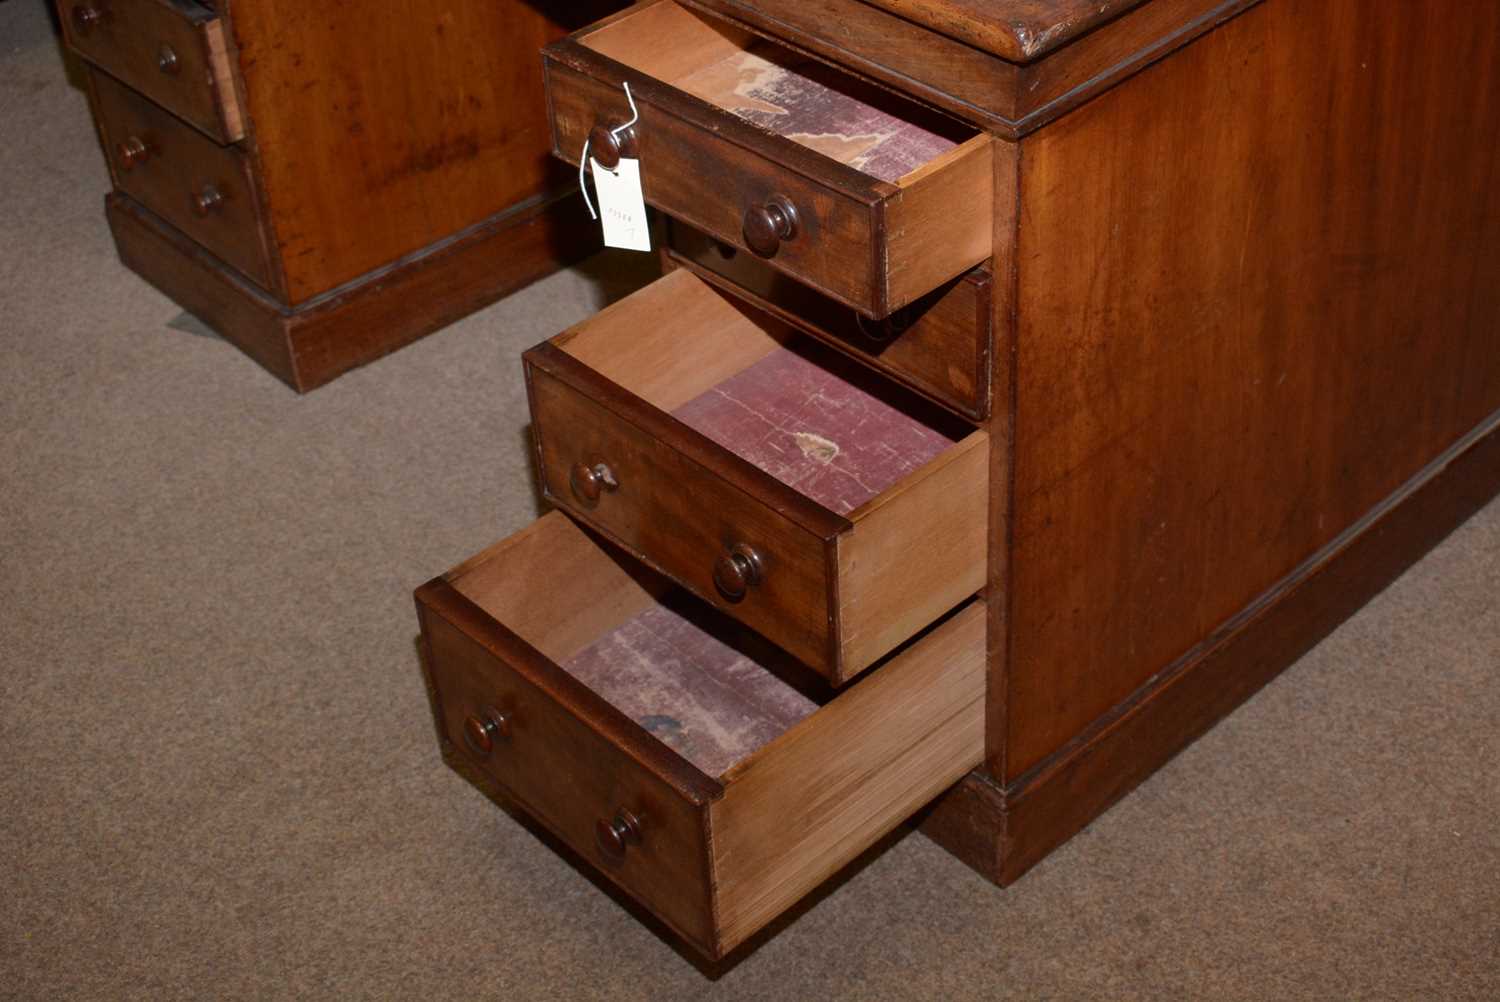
204 189
872 244
565 757
692 173
940 345
173 51
672 504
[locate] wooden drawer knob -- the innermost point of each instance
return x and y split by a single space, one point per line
86 18
617 835
607 147
167 61
768 224
207 200
884 330
737 571
133 151
589 482
485 729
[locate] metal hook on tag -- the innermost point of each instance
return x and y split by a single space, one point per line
635 115
583 159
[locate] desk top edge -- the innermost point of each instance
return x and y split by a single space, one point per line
1018 31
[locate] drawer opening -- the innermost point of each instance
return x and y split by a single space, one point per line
799 98
807 415
705 686
750 780
939 345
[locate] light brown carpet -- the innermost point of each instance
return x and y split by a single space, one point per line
219 776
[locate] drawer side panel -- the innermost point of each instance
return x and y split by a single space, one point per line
918 553
825 791
942 222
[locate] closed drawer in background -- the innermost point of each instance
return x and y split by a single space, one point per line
830 510
173 51
873 200
939 345
715 807
204 189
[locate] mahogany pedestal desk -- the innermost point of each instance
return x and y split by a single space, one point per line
322 185
1032 381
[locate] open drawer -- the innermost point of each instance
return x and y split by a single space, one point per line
870 198
668 746
834 512
174 52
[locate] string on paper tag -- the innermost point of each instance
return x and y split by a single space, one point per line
619 189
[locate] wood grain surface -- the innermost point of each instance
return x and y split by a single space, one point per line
571 759
936 220
1015 30
698 473
133 36
940 345
378 134
683 502
364 320
710 168
915 552
863 241
180 163
808 789
553 620
812 800
1003 833
1006 98
1258 291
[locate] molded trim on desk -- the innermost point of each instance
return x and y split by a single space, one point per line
1002 832
362 320
1016 33
1008 99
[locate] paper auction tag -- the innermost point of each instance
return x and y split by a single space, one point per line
622 209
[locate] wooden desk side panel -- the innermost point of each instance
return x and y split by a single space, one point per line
1259 289
382 131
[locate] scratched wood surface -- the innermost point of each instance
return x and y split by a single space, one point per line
834 440
381 131
181 161
1015 30
812 105
709 700
1259 294
128 46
